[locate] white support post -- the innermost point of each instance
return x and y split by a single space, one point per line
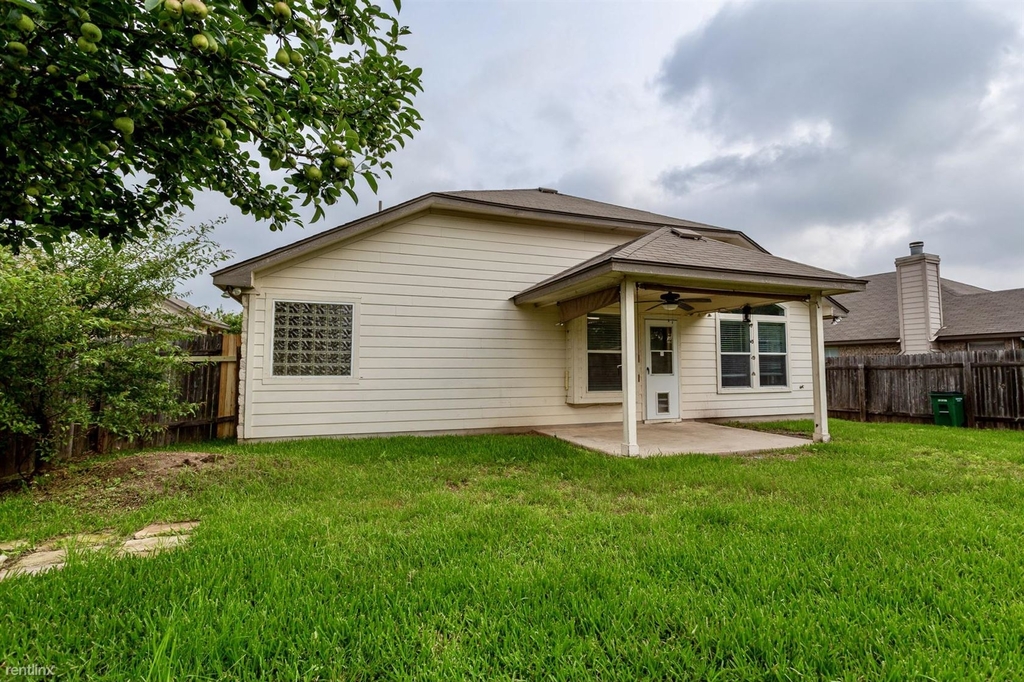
821 434
627 315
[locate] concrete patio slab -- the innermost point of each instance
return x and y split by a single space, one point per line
674 438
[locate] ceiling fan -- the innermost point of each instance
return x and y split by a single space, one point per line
671 300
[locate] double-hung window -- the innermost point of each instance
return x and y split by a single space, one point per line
604 353
313 339
753 348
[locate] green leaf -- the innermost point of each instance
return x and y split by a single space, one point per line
153 4
370 180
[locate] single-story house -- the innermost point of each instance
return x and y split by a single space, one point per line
476 311
914 310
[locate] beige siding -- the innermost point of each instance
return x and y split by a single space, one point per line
700 396
440 346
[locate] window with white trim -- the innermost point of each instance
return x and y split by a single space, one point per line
604 353
312 339
753 348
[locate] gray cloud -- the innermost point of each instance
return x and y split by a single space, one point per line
844 128
831 132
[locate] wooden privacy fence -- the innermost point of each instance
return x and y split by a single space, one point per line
211 383
897 387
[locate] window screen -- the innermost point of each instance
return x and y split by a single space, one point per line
312 339
771 346
735 353
604 353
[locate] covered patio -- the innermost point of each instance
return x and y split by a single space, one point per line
681 272
675 438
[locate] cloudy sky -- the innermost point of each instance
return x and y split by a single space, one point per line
830 132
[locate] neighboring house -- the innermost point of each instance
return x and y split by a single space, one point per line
914 310
504 310
204 323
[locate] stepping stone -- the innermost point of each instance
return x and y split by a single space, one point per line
151 545
158 529
13 545
36 562
3 560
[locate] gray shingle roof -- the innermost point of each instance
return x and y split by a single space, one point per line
556 202
991 312
665 247
966 310
540 204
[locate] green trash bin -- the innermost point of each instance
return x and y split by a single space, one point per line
948 409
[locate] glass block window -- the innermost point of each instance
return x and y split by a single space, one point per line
312 339
604 353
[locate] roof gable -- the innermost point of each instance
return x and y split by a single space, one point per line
675 248
535 204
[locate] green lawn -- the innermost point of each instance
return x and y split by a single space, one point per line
896 552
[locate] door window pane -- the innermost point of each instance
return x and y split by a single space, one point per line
661 362
661 338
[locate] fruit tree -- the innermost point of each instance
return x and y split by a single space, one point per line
113 113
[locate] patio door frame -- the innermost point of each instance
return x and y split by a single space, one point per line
650 411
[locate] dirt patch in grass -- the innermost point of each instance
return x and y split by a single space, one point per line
126 482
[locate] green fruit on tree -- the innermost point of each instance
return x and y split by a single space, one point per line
195 9
341 162
25 24
17 49
84 16
211 42
313 173
91 32
103 149
282 10
336 149
200 42
189 95
125 125
52 69
86 45
82 78
282 57
173 8
220 124
32 191
297 58
218 142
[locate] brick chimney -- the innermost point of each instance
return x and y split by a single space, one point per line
919 297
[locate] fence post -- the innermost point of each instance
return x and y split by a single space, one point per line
862 391
969 391
227 403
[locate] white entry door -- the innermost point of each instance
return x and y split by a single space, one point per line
662 365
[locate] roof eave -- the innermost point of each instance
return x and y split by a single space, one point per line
624 268
980 335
